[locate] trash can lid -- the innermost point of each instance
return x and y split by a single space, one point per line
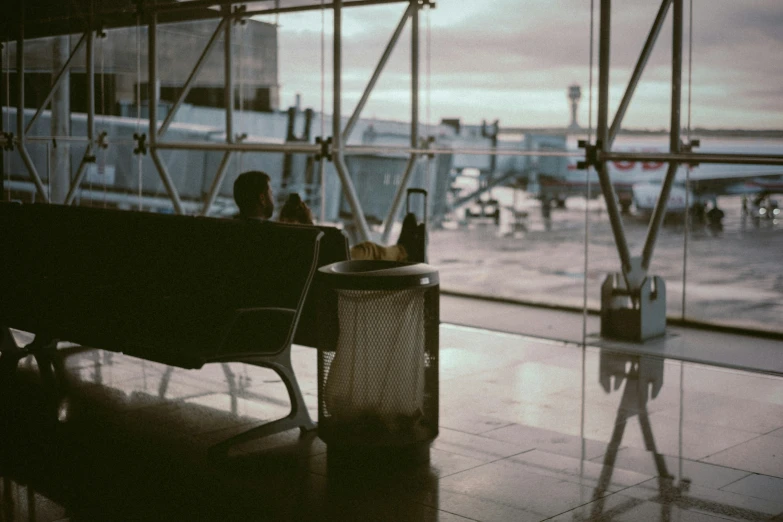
379 275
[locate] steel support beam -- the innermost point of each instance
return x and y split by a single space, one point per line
674 137
60 124
291 147
696 157
414 73
90 68
376 74
381 149
203 4
311 148
602 135
228 97
637 72
56 84
398 195
228 91
646 316
80 172
152 98
89 65
189 82
362 229
28 162
216 182
3 182
167 181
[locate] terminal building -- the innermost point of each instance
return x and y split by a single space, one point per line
558 348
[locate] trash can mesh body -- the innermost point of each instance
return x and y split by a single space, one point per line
378 367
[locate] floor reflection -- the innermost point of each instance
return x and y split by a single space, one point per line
530 430
641 379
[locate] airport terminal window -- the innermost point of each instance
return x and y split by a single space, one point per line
504 98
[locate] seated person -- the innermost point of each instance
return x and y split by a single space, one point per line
296 211
253 196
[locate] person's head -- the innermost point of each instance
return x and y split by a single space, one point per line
253 195
296 211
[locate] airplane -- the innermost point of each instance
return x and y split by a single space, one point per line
553 180
637 184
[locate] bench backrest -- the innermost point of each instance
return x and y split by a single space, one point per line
180 290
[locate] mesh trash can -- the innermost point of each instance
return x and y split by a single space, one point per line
378 359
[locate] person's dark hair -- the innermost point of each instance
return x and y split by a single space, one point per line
249 187
296 211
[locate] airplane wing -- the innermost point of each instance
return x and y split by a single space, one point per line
720 179
740 183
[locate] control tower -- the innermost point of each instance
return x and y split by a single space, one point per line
574 95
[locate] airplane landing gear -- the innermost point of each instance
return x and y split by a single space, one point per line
764 207
546 208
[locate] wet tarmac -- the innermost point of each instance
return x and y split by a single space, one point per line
731 277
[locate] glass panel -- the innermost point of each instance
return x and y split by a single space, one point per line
506 79
505 94
732 275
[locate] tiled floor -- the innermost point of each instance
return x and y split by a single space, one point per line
530 429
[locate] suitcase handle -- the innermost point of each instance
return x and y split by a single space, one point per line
412 191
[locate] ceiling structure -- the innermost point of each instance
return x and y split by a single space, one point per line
42 18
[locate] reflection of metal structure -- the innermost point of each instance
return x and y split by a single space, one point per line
34 19
643 376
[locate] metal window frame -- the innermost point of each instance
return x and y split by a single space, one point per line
634 269
20 129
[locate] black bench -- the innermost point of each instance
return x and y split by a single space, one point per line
179 290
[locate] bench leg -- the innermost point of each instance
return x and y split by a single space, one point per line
45 357
8 344
50 367
10 355
298 418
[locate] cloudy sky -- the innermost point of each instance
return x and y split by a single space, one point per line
513 60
